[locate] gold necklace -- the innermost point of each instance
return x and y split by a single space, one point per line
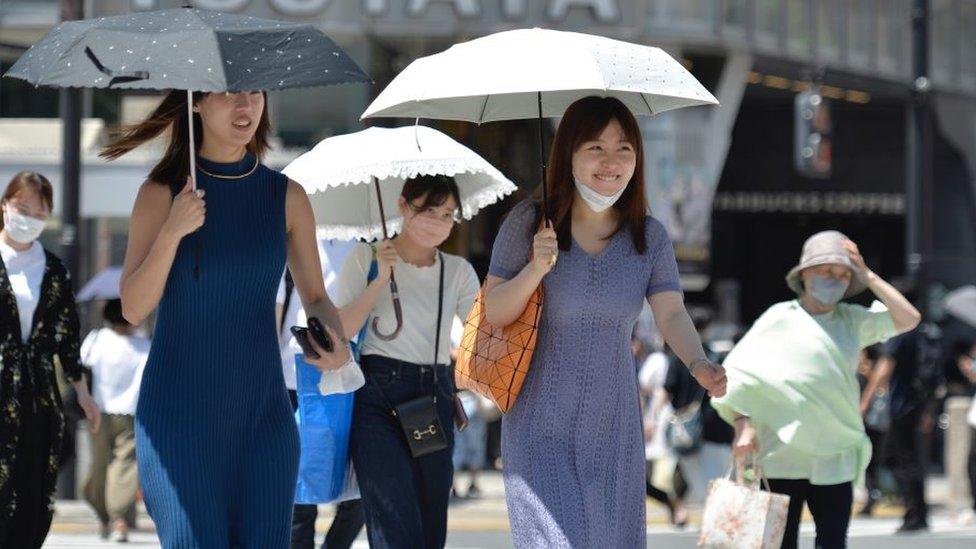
242 176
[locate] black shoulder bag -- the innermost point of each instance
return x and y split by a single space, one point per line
418 417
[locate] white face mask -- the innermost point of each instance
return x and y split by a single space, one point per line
22 229
596 201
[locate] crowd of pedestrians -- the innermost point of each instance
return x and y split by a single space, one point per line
817 394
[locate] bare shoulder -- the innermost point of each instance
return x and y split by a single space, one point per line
298 209
295 195
153 199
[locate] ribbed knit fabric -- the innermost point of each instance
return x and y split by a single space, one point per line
216 443
572 444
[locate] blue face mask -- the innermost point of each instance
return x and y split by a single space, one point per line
827 291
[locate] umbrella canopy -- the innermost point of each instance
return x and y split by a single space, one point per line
337 172
186 49
961 303
104 285
537 72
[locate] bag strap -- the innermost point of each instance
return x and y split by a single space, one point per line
440 317
289 290
737 469
374 272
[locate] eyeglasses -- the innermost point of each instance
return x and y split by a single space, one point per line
23 210
442 214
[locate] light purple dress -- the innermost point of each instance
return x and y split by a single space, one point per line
572 445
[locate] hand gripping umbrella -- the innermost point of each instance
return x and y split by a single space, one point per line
186 49
337 174
537 73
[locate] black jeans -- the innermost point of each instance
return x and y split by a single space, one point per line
404 499
903 456
654 492
31 519
829 505
346 524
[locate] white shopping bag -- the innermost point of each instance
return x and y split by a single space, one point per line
741 516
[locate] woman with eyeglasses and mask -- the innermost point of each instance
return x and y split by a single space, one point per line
39 322
404 497
793 395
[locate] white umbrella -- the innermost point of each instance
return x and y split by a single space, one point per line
503 76
531 73
104 285
338 171
961 303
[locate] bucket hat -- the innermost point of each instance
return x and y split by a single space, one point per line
823 248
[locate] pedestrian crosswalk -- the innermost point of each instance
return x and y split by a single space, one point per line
867 533
148 540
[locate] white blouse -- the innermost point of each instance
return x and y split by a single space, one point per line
25 270
418 297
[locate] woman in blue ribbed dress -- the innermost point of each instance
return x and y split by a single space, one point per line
216 443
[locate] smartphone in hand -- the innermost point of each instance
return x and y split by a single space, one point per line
301 336
319 335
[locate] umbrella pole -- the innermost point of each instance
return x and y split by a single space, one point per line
397 309
193 147
193 175
542 161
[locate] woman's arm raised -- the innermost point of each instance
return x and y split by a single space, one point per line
904 315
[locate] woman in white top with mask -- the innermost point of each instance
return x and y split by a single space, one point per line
39 321
405 497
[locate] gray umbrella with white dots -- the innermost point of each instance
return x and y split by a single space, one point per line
186 49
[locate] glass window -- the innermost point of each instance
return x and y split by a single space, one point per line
861 33
943 56
831 15
799 23
894 34
769 25
967 61
736 17
686 13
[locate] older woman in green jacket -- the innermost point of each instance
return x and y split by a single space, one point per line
792 394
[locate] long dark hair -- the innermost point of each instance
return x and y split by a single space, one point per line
29 180
583 121
174 167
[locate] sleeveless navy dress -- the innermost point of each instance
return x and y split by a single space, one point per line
217 446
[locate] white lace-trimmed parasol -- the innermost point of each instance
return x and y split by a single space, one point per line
337 174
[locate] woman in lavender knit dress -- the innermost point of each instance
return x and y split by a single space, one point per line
572 444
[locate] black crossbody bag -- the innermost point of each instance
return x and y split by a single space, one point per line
418 417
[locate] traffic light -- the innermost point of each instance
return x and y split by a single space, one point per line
812 135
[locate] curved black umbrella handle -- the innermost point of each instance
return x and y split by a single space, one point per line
397 311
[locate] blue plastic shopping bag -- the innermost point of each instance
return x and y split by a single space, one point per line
325 473
324 423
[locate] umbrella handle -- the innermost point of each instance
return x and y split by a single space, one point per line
397 311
